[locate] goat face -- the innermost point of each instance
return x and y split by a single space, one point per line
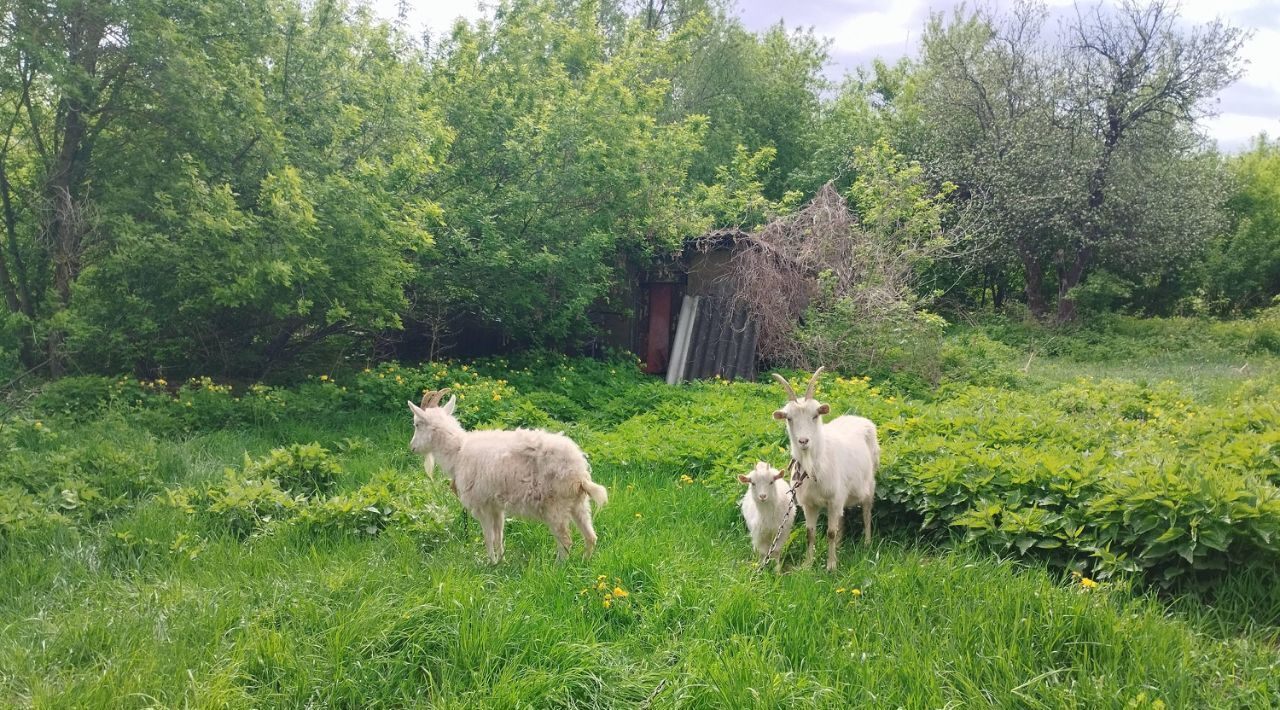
804 422
427 423
761 481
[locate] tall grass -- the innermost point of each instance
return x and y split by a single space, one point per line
145 605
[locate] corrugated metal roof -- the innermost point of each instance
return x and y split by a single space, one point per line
713 338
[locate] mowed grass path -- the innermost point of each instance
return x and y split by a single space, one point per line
294 620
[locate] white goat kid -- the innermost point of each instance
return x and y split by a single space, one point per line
767 508
529 473
839 460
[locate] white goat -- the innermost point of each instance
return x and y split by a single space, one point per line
838 461
767 508
529 473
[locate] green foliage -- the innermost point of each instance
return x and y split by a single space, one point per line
386 501
1116 476
84 475
1173 480
1244 270
21 513
560 167
242 506
869 313
301 469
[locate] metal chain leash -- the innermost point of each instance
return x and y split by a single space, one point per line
798 477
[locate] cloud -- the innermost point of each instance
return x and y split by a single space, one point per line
437 16
1233 131
897 25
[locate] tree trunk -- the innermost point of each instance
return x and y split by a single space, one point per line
1069 277
17 298
1035 286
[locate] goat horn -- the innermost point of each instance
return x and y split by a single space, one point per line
426 398
787 385
435 401
813 381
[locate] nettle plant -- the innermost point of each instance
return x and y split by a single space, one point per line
1096 474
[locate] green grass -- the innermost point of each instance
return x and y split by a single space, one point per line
292 619
149 606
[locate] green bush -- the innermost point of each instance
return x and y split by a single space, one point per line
96 470
21 512
1113 475
239 505
384 502
301 469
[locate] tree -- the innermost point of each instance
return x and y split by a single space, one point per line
560 169
213 187
1244 270
1059 139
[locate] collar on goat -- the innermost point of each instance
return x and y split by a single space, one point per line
431 398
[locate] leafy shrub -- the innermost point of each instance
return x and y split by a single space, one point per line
21 512
98 470
1118 476
301 469
241 506
898 339
384 502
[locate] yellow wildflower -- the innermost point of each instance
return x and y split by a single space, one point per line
324 378
39 424
856 592
1087 583
840 590
608 603
638 516
685 478
496 396
619 592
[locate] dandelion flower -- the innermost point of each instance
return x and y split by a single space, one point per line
856 592
619 592
840 590
1087 583
608 603
638 516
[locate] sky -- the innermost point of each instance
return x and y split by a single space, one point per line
861 30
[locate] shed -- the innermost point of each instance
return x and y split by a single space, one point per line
675 313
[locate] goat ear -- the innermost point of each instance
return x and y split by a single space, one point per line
777 475
449 406
743 478
823 408
779 414
417 411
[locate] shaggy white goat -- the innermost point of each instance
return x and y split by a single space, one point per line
529 473
838 461
767 508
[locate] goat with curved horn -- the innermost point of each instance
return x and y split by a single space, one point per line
786 385
841 455
813 382
431 398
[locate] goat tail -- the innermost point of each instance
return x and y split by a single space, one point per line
873 445
597 492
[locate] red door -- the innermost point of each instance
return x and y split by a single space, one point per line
658 350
